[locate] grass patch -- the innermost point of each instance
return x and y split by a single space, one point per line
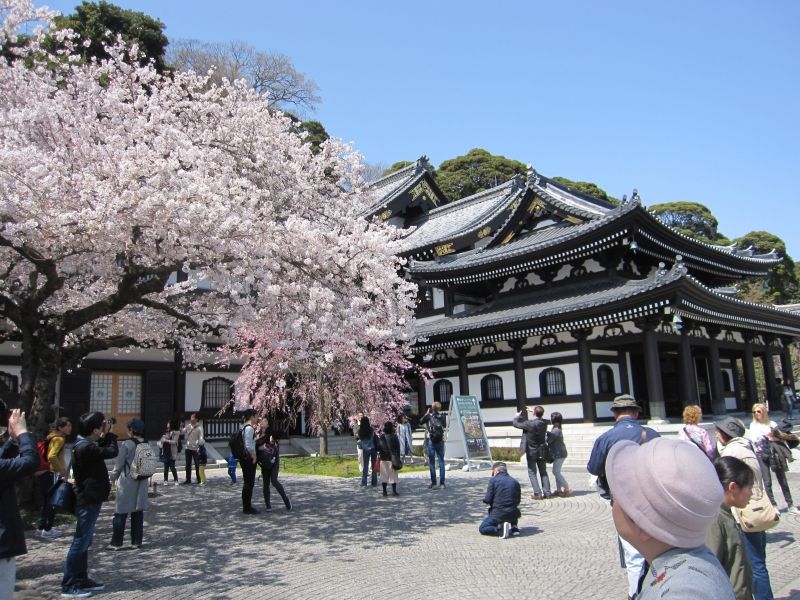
332 466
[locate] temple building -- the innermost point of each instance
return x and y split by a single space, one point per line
533 293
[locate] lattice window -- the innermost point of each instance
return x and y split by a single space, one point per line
605 379
492 388
217 393
130 394
442 390
552 382
101 394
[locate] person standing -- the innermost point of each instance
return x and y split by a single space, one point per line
555 438
194 439
389 451
786 394
202 459
18 459
762 438
666 497
169 445
95 444
626 427
692 431
268 453
131 492
724 538
436 423
55 443
366 443
535 447
249 461
503 496
405 436
730 434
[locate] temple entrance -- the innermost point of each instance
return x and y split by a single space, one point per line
669 384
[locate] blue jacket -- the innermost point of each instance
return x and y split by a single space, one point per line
626 428
503 496
18 459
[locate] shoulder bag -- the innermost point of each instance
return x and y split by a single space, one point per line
758 515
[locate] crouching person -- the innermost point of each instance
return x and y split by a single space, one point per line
666 496
502 496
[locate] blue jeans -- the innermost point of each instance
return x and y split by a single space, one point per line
137 528
76 567
491 526
370 454
436 449
756 545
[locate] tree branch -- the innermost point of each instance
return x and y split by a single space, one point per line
169 310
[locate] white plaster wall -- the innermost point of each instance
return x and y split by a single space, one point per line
603 409
10 349
438 298
571 376
614 370
429 388
572 410
194 386
509 390
730 402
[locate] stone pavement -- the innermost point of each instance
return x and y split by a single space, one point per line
343 542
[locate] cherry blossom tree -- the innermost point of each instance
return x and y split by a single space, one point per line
145 210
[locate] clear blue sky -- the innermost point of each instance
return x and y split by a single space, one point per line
684 100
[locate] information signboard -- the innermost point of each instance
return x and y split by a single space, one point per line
466 435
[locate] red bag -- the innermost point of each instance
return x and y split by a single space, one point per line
377 466
44 464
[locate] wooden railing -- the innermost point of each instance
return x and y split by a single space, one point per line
220 428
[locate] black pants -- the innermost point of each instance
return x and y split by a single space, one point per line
192 455
170 466
766 475
269 475
249 477
46 517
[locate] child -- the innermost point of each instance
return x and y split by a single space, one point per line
232 462
202 460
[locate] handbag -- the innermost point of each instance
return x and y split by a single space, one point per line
376 468
63 496
759 515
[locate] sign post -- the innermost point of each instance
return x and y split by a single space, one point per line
466 435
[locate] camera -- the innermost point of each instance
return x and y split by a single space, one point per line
111 420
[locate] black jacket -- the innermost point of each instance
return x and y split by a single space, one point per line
92 484
18 459
389 448
503 496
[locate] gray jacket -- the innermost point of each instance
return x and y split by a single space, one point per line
131 493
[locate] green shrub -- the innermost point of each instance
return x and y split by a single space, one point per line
506 454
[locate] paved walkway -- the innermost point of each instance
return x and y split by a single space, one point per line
344 542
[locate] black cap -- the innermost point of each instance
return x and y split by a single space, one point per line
731 426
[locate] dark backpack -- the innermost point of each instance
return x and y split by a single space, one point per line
236 444
435 430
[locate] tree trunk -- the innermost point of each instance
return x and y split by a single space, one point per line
323 441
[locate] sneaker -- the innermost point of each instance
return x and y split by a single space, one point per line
204 483
793 510
441 485
515 532
137 546
251 511
114 547
432 485
289 505
536 496
49 533
267 508
90 585
74 592
506 530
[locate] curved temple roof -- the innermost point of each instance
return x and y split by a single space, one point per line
602 301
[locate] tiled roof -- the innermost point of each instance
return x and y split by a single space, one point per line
589 302
463 216
388 187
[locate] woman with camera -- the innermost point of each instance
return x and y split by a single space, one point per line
169 451
267 453
131 491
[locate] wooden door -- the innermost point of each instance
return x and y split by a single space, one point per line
117 394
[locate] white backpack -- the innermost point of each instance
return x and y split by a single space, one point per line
145 461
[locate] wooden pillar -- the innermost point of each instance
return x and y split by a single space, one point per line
519 373
786 361
687 379
652 367
463 379
422 400
717 389
587 375
768 360
751 391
